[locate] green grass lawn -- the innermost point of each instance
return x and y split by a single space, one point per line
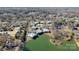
42 44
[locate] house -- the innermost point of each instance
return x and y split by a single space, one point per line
49 21
39 31
58 26
32 35
42 22
34 27
45 30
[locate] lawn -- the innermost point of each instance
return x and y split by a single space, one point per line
42 44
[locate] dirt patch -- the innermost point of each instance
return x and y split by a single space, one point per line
48 34
28 39
56 42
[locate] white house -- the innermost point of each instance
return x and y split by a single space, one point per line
42 22
39 31
45 30
31 34
49 21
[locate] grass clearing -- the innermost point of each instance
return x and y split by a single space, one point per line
42 44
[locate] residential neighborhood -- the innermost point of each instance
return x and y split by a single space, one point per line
39 29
